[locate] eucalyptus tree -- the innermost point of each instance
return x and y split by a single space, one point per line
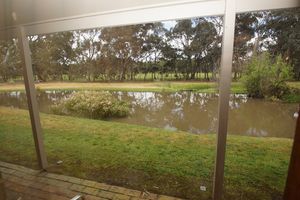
205 46
10 64
245 29
169 59
182 36
123 46
153 42
43 64
281 31
52 55
62 53
88 50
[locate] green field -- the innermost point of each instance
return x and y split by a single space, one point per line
160 86
124 86
173 163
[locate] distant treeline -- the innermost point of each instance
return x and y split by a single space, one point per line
185 49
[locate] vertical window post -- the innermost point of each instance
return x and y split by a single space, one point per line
224 93
31 97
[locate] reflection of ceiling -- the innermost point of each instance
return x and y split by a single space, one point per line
29 11
45 16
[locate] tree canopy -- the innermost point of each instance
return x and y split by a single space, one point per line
188 49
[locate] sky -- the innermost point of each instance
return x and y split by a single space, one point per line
169 24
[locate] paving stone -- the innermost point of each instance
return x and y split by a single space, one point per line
5 176
57 197
10 194
36 185
88 183
53 176
6 170
63 178
149 195
75 180
91 191
90 197
163 197
55 182
134 193
41 179
48 181
29 177
117 189
7 165
22 169
78 188
138 198
20 181
102 186
121 197
56 190
70 194
37 193
63 184
19 174
105 194
13 186
57 177
14 179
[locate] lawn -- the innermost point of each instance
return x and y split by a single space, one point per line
159 86
118 86
173 163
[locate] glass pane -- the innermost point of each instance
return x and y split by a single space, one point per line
16 141
263 104
132 106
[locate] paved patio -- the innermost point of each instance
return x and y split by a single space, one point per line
21 183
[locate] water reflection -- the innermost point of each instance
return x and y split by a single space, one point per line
188 111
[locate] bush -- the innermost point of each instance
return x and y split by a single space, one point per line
92 104
266 78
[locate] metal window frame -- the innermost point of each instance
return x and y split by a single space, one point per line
170 11
224 93
31 98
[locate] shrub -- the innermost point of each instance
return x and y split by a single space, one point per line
92 104
266 78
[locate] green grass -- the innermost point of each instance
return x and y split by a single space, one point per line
157 86
173 163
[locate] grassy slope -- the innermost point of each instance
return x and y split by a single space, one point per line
169 86
174 163
126 86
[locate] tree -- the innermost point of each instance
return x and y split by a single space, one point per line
244 32
10 63
153 42
63 52
123 46
282 30
51 55
42 62
266 77
88 50
182 35
205 47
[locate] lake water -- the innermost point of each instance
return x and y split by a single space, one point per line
188 111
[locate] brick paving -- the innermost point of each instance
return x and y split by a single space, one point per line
27 184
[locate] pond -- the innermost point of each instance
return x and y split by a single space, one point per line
188 111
